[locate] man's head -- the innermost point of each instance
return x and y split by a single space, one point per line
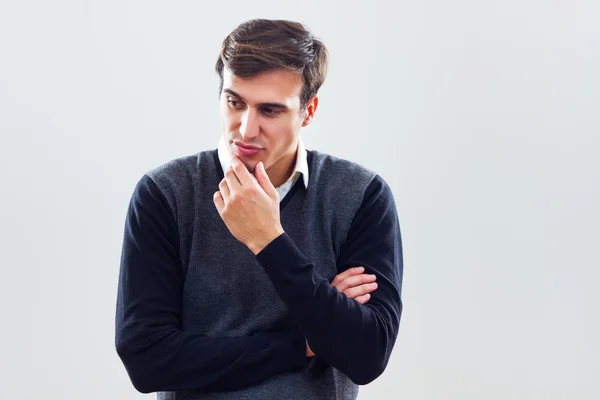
270 74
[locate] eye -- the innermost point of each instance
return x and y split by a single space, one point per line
234 103
270 112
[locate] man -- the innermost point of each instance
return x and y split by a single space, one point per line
248 272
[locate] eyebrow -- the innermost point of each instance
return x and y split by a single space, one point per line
269 105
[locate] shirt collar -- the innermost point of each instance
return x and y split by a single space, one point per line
301 159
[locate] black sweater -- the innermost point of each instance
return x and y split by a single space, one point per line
198 313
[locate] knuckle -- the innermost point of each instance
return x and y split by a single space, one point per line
360 290
355 280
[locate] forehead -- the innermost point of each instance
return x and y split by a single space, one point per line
277 86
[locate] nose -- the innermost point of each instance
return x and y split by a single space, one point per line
249 127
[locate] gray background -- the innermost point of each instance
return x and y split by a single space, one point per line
481 115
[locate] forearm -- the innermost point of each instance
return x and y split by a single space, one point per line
167 359
356 339
157 354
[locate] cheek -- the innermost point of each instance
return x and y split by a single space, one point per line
228 120
277 133
281 136
285 128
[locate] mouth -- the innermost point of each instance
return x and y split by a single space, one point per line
245 146
247 150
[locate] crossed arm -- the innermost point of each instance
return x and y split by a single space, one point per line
159 356
355 338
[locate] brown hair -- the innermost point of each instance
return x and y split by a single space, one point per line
261 45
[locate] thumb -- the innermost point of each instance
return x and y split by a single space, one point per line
263 179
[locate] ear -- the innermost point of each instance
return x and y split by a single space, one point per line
311 109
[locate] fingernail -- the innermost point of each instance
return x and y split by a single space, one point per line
359 269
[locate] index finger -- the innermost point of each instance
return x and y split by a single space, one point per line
241 171
347 273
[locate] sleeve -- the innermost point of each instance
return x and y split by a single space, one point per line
157 354
356 339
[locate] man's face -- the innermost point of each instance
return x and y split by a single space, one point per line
261 119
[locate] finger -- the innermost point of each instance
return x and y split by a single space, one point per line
309 352
241 172
232 180
224 188
355 280
357 291
263 180
363 299
347 273
219 203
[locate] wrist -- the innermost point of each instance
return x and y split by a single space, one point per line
258 245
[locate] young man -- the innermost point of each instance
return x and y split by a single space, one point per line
260 270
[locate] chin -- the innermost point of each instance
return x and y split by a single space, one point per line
250 166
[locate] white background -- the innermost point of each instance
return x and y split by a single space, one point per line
483 116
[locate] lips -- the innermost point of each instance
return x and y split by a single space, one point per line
245 150
243 146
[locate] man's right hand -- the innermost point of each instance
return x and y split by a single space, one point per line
355 284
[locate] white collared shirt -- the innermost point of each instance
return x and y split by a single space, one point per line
301 167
